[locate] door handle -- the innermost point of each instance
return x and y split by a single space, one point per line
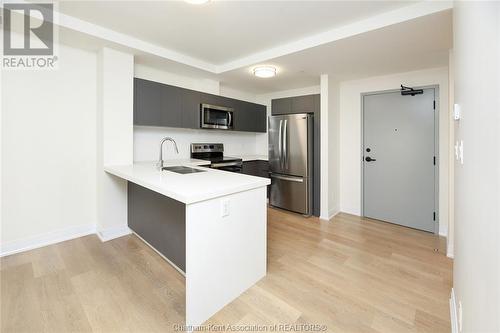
369 159
285 144
280 144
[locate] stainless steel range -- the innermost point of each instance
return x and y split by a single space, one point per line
214 152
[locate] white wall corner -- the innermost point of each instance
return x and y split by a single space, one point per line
453 312
52 237
324 213
113 232
333 212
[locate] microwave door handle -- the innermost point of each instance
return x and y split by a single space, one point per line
230 120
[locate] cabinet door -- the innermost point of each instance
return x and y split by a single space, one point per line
281 106
171 113
260 118
147 103
256 168
250 117
190 106
303 104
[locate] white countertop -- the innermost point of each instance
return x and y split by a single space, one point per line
186 188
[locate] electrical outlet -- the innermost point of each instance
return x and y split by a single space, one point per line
457 153
459 316
225 208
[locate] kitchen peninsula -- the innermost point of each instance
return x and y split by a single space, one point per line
209 224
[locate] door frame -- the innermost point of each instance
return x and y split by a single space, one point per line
436 146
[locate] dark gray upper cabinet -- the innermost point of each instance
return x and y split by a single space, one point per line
171 110
157 104
250 117
190 109
147 99
281 106
297 104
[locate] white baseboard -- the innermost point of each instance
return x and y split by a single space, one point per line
453 312
449 251
332 213
45 239
113 232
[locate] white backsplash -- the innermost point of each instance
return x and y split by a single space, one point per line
147 139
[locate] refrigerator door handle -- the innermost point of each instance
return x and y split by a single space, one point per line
280 144
291 179
285 144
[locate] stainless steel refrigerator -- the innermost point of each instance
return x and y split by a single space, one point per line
290 162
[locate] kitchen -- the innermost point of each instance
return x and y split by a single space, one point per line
208 174
182 184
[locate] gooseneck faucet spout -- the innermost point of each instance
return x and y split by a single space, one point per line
160 160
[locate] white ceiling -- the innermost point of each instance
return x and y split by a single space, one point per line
223 31
412 45
413 37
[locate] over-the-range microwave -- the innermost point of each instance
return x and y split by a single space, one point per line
218 117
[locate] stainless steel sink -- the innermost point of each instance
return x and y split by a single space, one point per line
182 169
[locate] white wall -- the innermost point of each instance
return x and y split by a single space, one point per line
334 125
147 139
450 242
114 146
476 269
350 134
48 151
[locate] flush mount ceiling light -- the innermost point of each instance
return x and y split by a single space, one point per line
264 71
197 2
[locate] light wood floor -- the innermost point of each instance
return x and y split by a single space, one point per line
352 275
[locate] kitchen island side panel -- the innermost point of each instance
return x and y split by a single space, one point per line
226 251
160 221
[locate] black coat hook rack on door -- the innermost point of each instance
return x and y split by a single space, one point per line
410 91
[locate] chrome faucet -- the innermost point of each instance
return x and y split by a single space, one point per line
160 160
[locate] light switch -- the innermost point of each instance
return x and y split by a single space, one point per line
457 152
456 112
225 208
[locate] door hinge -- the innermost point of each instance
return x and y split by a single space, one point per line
434 105
434 216
434 160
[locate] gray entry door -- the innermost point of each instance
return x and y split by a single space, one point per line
399 172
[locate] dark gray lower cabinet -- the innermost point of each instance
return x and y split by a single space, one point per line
256 168
157 104
160 221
